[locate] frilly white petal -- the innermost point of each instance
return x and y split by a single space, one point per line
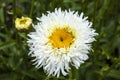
56 61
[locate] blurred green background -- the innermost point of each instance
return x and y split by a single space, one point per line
103 62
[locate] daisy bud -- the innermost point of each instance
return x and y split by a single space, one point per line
23 23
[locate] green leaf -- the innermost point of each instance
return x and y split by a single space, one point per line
114 74
7 44
1 15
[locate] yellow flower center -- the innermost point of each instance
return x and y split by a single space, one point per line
23 21
61 38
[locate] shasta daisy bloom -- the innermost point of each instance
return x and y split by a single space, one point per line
23 23
61 39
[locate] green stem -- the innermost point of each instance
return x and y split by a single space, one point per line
73 74
94 15
47 78
14 10
32 6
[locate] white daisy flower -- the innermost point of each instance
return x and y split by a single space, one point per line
61 39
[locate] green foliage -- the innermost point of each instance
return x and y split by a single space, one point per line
103 62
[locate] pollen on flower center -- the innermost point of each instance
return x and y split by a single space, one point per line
61 37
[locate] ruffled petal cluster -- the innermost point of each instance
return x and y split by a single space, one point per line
56 60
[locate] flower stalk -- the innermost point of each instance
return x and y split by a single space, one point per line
31 10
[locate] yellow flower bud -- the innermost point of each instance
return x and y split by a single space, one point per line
23 23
